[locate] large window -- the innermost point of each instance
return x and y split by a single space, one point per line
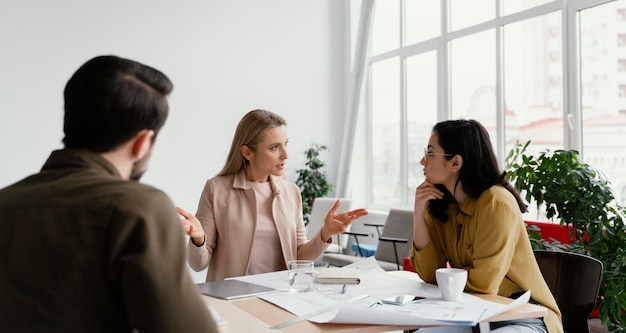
603 105
533 82
552 72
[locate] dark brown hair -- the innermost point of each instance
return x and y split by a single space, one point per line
109 100
470 139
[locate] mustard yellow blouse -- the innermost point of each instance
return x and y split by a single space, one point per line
488 238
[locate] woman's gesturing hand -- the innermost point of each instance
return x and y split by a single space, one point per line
337 223
192 227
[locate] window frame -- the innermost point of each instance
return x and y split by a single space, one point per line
572 99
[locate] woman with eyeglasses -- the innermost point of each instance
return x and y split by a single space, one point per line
467 214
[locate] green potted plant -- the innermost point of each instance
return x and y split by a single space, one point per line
312 179
575 194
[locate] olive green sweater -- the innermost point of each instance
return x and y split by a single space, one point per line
83 250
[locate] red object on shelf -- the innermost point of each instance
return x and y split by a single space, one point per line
407 265
553 230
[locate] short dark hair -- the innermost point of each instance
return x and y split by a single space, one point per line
110 99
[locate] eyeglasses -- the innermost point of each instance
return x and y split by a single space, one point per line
428 154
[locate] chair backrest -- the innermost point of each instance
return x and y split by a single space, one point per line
399 224
574 280
320 208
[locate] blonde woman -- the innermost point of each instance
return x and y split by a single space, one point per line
249 218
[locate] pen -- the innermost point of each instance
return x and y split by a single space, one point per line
344 288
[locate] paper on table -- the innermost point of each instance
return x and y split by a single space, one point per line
380 284
300 302
279 280
374 281
467 312
433 312
474 311
354 314
496 308
358 312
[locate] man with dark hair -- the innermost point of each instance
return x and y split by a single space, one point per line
83 248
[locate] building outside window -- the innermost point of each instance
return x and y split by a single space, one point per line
551 72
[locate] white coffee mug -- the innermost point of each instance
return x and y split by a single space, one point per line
451 282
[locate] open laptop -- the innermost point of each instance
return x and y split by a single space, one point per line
232 289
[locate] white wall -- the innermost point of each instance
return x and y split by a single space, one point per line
225 58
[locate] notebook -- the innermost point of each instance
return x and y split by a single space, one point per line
344 275
232 289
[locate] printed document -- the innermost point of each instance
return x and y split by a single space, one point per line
375 285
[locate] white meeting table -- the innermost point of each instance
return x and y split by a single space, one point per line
254 314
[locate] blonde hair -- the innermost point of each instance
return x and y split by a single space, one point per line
249 132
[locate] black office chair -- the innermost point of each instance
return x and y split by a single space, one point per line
574 280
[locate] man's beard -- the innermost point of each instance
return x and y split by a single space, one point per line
140 167
136 176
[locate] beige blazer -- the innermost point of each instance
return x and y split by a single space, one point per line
227 213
